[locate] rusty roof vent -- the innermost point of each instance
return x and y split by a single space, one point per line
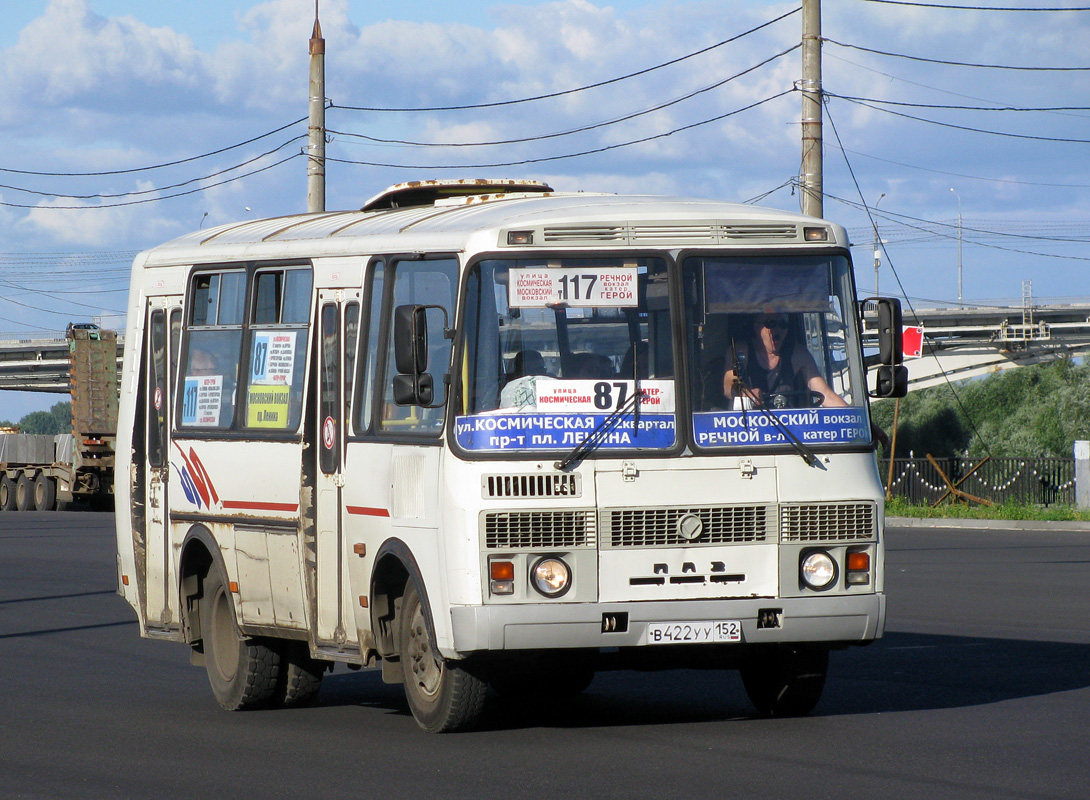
426 193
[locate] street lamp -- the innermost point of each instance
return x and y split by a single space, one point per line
877 243
958 196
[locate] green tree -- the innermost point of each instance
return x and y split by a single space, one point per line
57 420
1029 411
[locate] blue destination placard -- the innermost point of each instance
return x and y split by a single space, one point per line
812 426
522 432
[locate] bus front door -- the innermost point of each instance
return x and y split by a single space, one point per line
338 320
162 331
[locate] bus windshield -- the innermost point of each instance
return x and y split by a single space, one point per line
773 351
554 346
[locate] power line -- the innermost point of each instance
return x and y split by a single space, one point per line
154 166
583 129
965 176
155 199
974 8
565 92
956 108
543 159
158 188
954 63
964 127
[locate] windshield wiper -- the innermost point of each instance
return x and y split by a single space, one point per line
598 435
805 453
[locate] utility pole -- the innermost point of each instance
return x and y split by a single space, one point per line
316 145
810 181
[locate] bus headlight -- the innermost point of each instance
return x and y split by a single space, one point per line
551 577
817 569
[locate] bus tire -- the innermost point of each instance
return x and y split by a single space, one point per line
45 492
443 695
243 671
24 493
7 493
300 676
785 681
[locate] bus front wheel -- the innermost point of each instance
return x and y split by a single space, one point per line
785 681
243 671
442 695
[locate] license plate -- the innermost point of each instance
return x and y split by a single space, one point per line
724 630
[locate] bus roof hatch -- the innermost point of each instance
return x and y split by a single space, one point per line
426 193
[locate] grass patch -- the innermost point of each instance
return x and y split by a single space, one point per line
1055 513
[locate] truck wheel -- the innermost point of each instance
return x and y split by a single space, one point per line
443 696
300 676
45 493
7 493
785 681
243 671
24 493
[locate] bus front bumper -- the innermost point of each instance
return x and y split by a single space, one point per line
840 619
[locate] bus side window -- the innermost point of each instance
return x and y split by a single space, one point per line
213 349
429 282
369 346
278 346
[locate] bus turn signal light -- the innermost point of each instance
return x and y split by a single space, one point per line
502 575
858 568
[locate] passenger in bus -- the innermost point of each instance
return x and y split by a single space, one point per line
527 362
774 368
589 365
201 362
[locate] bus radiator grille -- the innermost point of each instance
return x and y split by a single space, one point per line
828 522
552 530
659 527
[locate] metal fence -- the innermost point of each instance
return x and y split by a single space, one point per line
1036 481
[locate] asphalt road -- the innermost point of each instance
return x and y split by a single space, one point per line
980 689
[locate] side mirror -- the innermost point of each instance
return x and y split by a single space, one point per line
414 386
411 390
890 342
410 340
891 381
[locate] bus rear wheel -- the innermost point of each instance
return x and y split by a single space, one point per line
243 671
443 696
785 681
300 676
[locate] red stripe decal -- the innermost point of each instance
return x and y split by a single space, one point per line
367 512
257 506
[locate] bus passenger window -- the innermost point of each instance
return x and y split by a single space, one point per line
278 347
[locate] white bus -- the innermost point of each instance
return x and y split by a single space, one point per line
485 433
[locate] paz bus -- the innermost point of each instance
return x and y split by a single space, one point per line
485 434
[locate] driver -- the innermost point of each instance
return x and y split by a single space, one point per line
772 370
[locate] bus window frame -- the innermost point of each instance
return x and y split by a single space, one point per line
235 431
682 422
369 430
822 251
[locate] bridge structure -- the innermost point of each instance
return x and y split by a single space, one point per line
987 337
39 362
958 343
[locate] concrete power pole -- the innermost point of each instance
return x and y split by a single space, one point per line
810 181
316 145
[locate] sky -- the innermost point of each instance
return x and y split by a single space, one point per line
188 114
